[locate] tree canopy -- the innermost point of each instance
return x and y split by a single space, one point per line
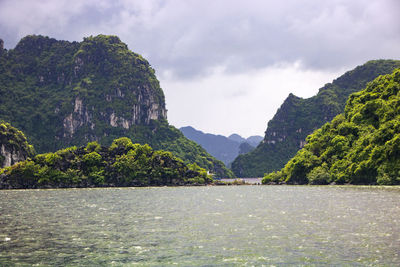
123 163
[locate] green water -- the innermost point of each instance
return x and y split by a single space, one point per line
201 226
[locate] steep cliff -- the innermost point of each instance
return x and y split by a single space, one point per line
13 146
297 118
76 92
64 93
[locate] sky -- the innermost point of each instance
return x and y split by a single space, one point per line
225 66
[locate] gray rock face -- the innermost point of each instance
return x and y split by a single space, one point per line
10 156
146 109
128 103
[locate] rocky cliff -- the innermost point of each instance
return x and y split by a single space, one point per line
13 146
83 90
297 118
62 93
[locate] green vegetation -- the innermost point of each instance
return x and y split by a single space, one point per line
13 142
297 118
121 164
160 135
62 94
42 79
360 146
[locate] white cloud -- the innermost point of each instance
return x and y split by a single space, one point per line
188 37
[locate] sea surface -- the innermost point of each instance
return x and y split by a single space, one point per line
201 226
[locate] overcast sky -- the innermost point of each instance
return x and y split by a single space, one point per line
225 66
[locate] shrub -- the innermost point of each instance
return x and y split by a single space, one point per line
319 175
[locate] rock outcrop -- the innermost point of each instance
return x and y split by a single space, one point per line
13 146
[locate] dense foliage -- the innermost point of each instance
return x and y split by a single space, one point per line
166 137
62 93
361 146
297 118
121 164
14 141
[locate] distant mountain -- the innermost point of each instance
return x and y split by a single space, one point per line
245 148
254 140
221 147
298 117
237 138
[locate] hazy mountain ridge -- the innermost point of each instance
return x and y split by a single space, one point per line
221 147
298 117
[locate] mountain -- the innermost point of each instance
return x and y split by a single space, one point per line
298 117
62 93
245 148
14 146
121 164
237 138
254 140
223 148
360 146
